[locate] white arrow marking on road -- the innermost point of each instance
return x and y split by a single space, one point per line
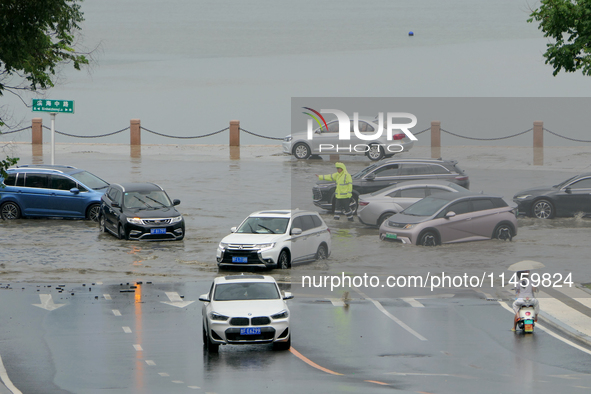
176 300
47 302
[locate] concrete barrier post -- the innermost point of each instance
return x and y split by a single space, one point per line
37 126
435 139
234 133
135 137
538 143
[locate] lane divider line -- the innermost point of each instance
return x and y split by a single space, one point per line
504 305
6 380
138 347
312 363
376 382
107 296
150 363
116 312
127 330
391 316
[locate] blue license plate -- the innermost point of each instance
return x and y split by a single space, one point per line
250 331
157 231
240 259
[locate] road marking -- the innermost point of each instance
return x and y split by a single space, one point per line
163 374
428 374
582 297
414 303
376 382
391 316
150 363
194 387
47 303
337 301
138 347
107 296
127 330
6 380
312 363
549 332
176 300
116 312
178 381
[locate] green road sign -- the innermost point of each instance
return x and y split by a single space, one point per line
62 106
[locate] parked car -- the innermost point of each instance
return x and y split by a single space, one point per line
390 172
452 217
565 199
378 206
245 309
301 147
281 238
140 211
50 191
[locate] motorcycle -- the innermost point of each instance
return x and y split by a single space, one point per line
527 316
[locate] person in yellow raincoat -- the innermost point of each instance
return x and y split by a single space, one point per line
343 192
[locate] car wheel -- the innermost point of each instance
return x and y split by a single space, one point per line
301 151
428 238
10 211
504 232
354 204
102 227
375 152
322 252
282 345
93 212
283 261
543 209
121 232
384 217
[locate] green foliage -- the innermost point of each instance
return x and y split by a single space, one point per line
35 37
568 24
5 164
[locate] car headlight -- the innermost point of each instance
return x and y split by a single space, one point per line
522 196
409 226
217 316
281 315
264 246
288 138
222 246
176 219
134 221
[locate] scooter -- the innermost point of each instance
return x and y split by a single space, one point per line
527 315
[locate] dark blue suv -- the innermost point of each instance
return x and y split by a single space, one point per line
50 191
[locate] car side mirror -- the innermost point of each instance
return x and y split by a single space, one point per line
287 296
74 190
115 204
568 190
176 201
370 177
204 298
296 231
318 131
450 214
233 229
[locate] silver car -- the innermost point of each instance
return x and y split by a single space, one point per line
452 217
326 142
378 206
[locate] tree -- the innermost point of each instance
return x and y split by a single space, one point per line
36 38
568 24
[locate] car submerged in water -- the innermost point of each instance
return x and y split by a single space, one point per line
140 211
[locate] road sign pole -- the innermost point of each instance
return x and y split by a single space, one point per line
52 138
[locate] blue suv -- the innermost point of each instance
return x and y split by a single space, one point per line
50 191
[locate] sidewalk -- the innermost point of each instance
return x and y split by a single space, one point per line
565 308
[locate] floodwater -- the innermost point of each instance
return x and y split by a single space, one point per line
218 188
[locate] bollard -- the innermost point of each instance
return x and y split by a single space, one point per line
435 139
135 137
37 126
538 143
234 133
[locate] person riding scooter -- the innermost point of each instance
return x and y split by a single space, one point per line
524 295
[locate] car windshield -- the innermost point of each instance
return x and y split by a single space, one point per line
428 206
563 184
246 291
146 200
90 180
264 225
364 172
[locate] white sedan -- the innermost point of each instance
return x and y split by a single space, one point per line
245 309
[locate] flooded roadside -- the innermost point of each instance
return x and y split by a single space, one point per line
217 192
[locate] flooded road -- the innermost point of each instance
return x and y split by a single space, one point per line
219 188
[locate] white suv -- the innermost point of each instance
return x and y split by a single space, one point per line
268 239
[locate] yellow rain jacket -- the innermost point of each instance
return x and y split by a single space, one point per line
343 180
